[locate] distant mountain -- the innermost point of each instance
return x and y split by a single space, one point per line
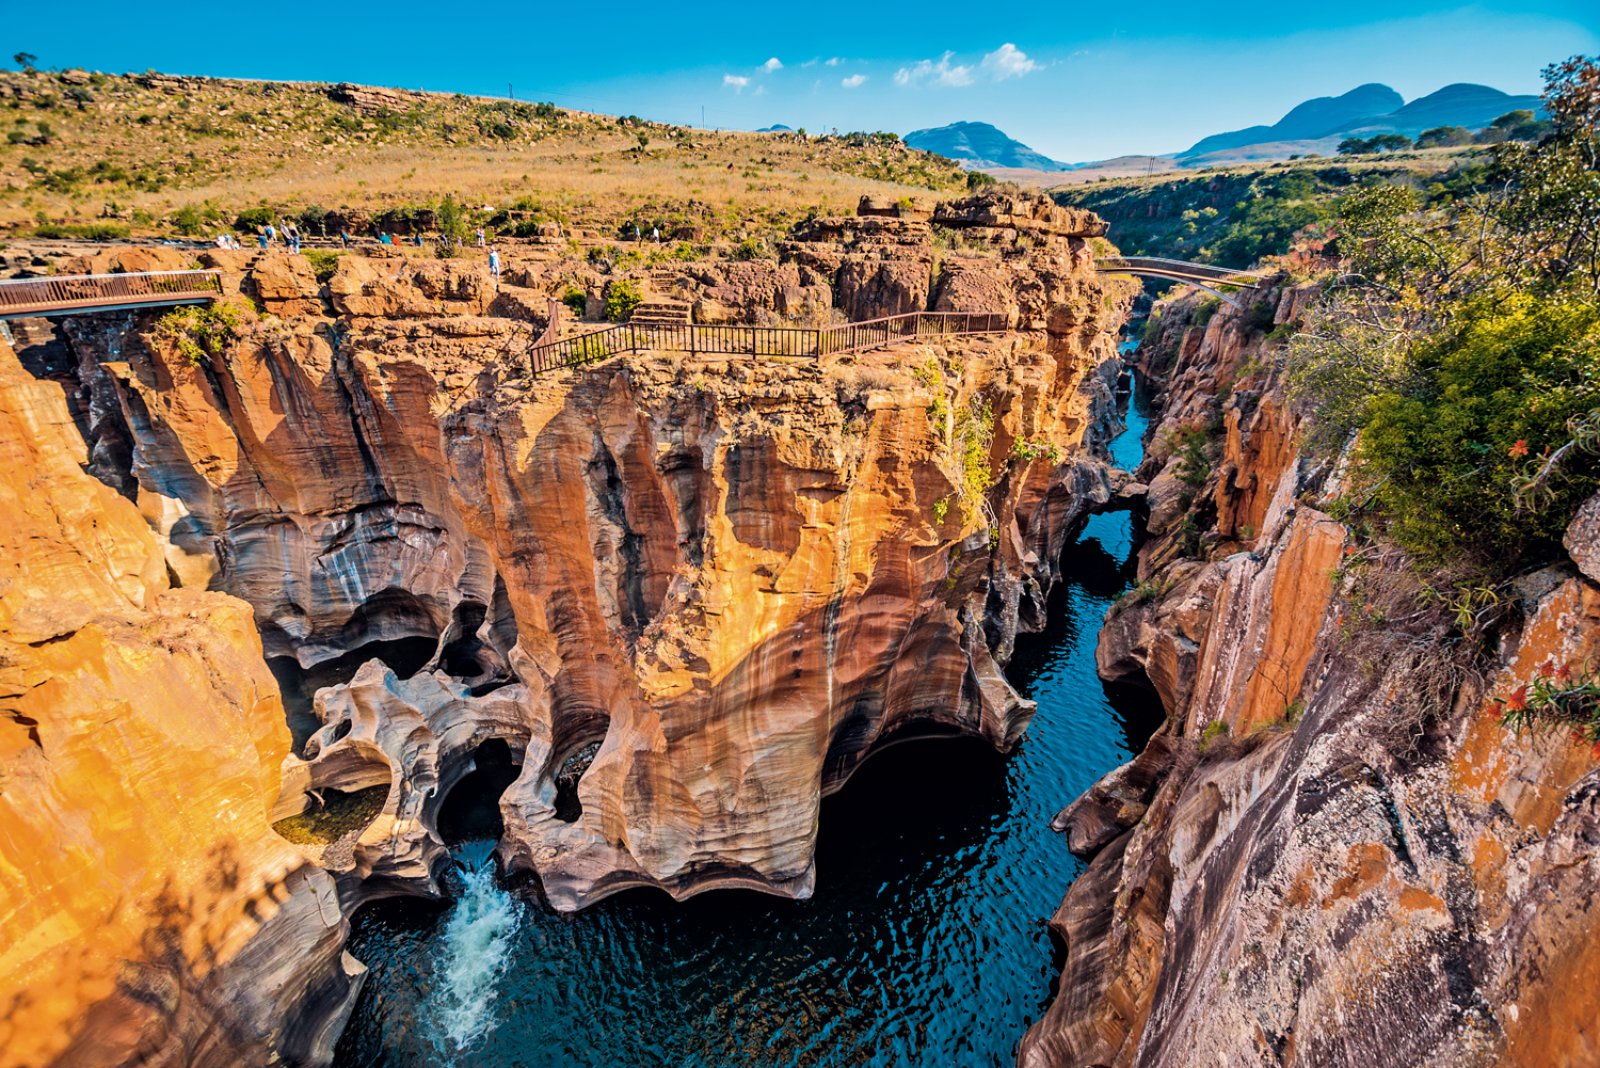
1318 125
1462 104
776 127
1307 121
979 145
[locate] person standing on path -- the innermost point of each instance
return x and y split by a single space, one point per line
482 241
494 265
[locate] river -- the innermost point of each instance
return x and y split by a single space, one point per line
925 943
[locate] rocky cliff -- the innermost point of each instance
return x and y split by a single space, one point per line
151 915
1335 852
688 596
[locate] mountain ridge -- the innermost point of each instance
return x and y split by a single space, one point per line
981 146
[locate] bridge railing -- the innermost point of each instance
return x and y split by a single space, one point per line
90 290
1166 267
758 340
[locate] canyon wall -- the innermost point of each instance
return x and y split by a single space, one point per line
1334 853
689 595
150 914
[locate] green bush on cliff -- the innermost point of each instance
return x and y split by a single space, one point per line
622 296
199 332
1450 461
974 434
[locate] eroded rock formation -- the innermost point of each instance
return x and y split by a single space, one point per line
150 914
1334 853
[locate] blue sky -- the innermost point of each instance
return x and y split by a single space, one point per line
1076 81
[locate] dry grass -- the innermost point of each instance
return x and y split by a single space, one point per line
137 149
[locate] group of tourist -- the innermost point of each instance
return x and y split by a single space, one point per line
270 235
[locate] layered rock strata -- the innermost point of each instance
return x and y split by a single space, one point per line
1334 853
150 914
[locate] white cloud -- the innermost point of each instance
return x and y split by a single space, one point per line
775 64
810 63
835 61
738 81
941 73
855 81
761 90
1008 61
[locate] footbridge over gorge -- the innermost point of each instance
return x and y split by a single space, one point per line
85 294
1200 275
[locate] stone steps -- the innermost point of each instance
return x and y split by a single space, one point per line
661 313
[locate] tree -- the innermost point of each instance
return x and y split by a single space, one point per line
1389 142
25 60
451 218
1444 137
1354 146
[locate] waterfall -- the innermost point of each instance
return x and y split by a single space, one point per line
479 939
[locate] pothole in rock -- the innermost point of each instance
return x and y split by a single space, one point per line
568 807
471 810
339 814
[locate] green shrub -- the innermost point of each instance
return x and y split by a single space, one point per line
575 299
252 219
751 248
323 262
622 296
199 332
974 434
188 220
1214 730
1447 461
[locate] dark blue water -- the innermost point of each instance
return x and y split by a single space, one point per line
925 942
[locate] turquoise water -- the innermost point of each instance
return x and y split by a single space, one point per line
925 943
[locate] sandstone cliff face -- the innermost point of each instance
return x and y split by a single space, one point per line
150 913
1334 853
701 590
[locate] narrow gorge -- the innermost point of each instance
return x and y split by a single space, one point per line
667 604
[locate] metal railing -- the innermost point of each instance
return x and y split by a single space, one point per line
1179 269
758 340
65 292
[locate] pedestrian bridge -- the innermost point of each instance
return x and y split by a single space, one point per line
82 294
1200 275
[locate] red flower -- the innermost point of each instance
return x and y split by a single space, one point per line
1564 673
1518 699
1594 751
1548 668
1519 449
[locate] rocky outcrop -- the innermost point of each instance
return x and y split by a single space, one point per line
700 592
1336 853
151 915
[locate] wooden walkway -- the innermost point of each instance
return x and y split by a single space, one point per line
83 294
813 341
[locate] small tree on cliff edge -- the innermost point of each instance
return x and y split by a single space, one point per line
452 220
25 60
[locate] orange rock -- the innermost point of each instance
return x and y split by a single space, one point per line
140 737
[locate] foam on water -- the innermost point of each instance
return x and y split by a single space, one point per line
477 943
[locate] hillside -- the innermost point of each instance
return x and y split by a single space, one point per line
158 154
1237 215
980 145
